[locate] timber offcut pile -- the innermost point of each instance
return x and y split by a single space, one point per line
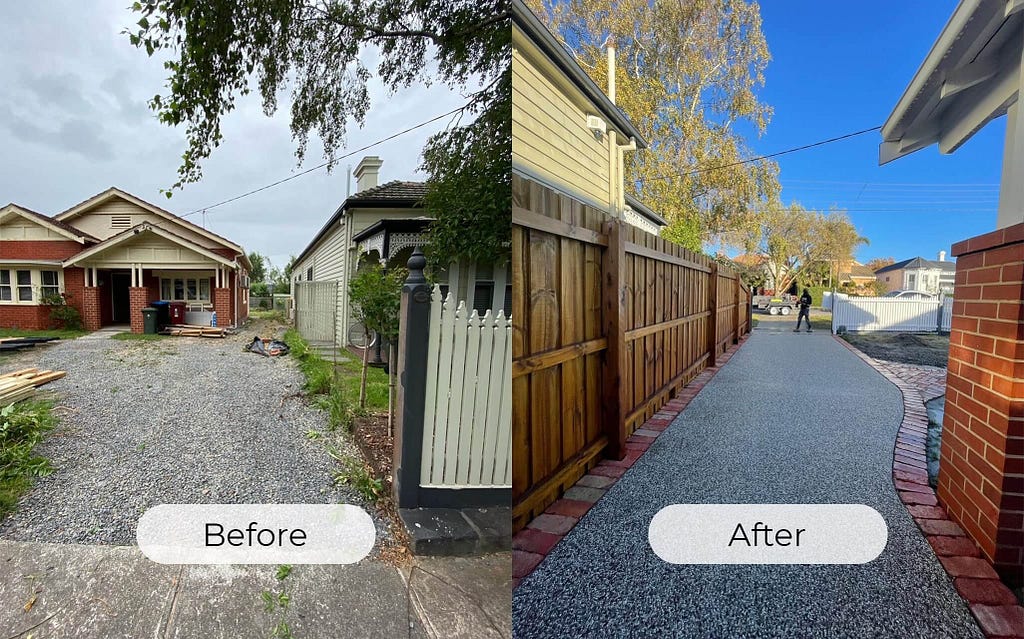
22 384
191 330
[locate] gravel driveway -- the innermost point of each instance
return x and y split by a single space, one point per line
179 420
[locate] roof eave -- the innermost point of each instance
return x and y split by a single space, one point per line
546 42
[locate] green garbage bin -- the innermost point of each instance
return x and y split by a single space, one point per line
149 320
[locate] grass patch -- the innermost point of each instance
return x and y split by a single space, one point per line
821 323
55 332
355 473
276 316
320 375
138 337
22 427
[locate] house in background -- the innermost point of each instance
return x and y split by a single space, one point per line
110 256
919 274
382 224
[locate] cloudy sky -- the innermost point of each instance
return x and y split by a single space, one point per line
74 121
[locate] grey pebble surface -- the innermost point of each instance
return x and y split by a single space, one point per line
172 421
792 418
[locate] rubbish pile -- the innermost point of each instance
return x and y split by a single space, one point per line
267 347
18 343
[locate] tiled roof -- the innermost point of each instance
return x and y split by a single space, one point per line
393 190
859 270
63 225
919 263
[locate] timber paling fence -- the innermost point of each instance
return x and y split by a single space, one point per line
609 323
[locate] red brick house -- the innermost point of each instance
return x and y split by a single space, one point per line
110 256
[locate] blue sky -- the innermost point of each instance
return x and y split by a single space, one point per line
841 67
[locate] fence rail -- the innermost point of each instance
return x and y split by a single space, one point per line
467 416
611 322
877 314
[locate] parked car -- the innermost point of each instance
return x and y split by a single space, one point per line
911 295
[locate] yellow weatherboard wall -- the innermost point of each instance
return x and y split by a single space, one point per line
550 138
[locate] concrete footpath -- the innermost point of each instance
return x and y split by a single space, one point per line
791 418
71 591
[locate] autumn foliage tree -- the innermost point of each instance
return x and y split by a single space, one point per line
687 76
792 241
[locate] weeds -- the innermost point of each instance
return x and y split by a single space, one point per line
22 427
279 601
355 473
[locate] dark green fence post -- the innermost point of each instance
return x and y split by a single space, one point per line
412 380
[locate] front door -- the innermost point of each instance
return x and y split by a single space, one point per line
119 301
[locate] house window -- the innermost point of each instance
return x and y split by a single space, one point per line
51 286
309 274
483 293
5 286
185 289
911 281
24 286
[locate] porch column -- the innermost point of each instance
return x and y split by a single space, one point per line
138 299
91 318
222 299
981 472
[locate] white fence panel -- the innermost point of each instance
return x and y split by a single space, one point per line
315 306
870 314
947 314
826 299
467 421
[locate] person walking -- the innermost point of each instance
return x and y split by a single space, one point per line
805 311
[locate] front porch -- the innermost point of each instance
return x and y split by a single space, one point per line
115 295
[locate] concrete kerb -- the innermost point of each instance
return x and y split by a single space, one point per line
539 537
993 605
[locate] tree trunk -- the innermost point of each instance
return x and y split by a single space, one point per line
362 379
392 376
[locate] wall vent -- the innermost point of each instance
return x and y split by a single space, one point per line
120 221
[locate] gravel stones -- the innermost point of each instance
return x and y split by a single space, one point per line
179 420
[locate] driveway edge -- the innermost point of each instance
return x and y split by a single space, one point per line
993 605
534 542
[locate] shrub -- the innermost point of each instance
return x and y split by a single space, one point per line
62 314
22 427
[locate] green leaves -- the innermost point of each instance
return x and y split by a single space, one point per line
282 573
22 427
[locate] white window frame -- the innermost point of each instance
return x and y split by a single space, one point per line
171 284
35 284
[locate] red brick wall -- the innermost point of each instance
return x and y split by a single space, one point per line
92 315
981 473
74 285
39 249
138 298
222 305
24 316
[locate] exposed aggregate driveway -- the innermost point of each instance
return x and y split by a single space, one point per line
791 418
178 420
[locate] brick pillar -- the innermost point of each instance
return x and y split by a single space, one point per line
981 473
222 304
138 297
91 313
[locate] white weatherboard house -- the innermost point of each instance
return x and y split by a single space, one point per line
383 223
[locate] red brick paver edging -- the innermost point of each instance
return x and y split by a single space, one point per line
993 605
533 543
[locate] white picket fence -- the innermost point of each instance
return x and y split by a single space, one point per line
870 314
467 421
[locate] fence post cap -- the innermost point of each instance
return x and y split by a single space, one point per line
417 262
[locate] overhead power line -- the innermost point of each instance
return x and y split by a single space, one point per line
333 160
766 157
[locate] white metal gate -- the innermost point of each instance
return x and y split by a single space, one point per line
316 305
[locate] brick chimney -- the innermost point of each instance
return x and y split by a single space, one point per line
366 173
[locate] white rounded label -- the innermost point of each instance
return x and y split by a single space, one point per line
767 534
255 534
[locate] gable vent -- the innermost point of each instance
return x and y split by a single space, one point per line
120 221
